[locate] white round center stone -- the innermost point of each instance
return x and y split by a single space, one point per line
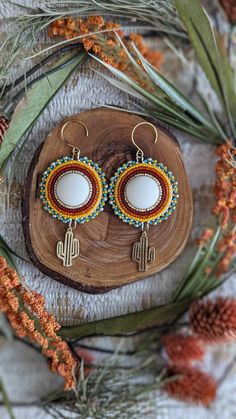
73 189
142 192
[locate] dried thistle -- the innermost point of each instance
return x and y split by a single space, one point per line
191 385
214 321
182 350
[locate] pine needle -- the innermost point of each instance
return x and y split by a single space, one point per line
22 35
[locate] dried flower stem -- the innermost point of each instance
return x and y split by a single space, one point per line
27 315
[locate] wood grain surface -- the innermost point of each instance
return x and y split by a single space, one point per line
105 242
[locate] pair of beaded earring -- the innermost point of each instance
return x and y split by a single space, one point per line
74 190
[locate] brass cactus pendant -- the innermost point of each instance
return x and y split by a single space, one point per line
69 249
73 190
143 193
142 254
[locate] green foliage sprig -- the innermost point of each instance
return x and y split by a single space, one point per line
39 94
166 103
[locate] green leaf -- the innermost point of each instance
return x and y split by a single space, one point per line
210 55
166 106
193 282
38 97
197 132
129 323
228 75
167 111
178 98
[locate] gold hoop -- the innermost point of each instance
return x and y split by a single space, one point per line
76 150
140 153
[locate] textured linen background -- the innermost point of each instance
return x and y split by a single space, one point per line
25 373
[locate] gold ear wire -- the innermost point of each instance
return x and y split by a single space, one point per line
76 150
140 153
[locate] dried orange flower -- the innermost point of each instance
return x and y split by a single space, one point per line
224 209
205 237
181 349
3 264
225 187
191 385
100 38
226 246
214 321
29 318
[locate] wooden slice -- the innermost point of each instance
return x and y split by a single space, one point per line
105 242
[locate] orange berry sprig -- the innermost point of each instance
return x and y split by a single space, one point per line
225 207
204 238
225 211
29 318
100 38
225 186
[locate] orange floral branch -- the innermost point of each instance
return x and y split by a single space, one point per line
106 44
28 316
225 211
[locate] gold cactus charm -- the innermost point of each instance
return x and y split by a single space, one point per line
142 254
69 249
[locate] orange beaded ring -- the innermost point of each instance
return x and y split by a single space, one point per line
143 193
73 190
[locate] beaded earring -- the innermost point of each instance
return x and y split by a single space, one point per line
143 193
74 191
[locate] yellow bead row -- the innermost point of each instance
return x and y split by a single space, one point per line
131 215
93 173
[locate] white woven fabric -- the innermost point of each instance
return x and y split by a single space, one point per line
25 373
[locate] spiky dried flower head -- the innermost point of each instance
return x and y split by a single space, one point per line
182 349
29 318
191 385
214 321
